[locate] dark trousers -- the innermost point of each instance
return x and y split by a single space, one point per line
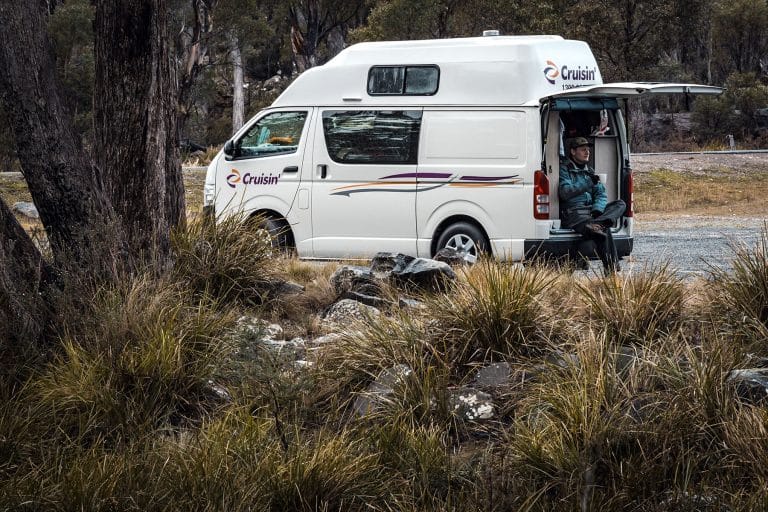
606 249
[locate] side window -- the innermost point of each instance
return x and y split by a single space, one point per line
403 80
372 137
275 134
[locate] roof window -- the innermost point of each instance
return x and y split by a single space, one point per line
403 80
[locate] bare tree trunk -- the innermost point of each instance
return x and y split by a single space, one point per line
24 278
193 48
64 184
238 98
135 121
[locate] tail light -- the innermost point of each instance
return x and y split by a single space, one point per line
540 195
630 197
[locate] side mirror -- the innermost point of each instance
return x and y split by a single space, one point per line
229 148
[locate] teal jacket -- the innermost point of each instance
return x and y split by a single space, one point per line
579 197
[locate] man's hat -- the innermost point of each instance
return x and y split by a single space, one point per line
577 142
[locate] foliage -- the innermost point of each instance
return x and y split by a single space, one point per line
231 260
740 295
636 308
734 112
495 312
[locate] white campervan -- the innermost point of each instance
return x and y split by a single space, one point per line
414 146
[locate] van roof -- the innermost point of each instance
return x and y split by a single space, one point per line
474 71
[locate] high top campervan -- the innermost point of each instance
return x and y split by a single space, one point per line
414 146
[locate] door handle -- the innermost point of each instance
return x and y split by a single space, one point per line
323 171
291 168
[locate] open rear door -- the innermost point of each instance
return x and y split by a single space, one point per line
634 90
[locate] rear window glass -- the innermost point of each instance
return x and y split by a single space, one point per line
403 80
372 137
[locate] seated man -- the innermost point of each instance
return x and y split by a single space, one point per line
584 205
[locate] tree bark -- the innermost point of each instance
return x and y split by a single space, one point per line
135 120
24 277
64 184
238 98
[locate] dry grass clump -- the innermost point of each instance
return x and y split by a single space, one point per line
740 295
496 311
636 307
144 365
230 260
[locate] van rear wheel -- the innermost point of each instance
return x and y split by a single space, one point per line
464 238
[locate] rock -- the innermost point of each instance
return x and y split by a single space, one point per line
751 385
348 310
423 273
406 303
218 392
381 388
370 300
626 358
385 262
328 338
450 256
27 209
353 278
494 375
289 288
471 404
562 359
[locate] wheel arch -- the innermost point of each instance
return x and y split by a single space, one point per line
272 215
453 219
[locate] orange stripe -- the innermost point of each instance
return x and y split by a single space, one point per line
474 185
371 183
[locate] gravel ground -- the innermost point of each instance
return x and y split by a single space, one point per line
692 244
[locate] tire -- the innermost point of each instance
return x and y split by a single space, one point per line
465 238
280 232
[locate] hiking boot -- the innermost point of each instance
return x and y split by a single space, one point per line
592 227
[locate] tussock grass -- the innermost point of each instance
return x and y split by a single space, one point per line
144 365
618 399
496 311
740 295
230 260
636 307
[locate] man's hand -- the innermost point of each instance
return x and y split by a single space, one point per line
595 178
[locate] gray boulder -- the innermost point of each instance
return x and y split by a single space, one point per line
26 209
423 273
354 278
751 385
381 389
493 376
450 256
348 310
471 404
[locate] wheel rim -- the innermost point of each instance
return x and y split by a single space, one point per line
464 245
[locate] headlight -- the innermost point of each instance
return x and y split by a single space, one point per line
209 193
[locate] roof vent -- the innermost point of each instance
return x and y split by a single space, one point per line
487 33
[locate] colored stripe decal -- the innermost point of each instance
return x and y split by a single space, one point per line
419 175
488 178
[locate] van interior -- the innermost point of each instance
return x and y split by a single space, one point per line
599 125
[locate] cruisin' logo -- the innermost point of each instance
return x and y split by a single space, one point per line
251 179
234 178
551 72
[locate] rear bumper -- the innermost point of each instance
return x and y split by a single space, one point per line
573 248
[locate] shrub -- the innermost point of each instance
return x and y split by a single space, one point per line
144 362
494 312
740 295
230 260
636 308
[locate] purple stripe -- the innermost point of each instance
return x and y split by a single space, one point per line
418 175
487 178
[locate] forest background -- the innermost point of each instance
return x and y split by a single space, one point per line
235 56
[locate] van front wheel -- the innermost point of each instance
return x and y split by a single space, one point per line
464 238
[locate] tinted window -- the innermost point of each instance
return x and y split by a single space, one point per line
276 133
403 80
372 137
